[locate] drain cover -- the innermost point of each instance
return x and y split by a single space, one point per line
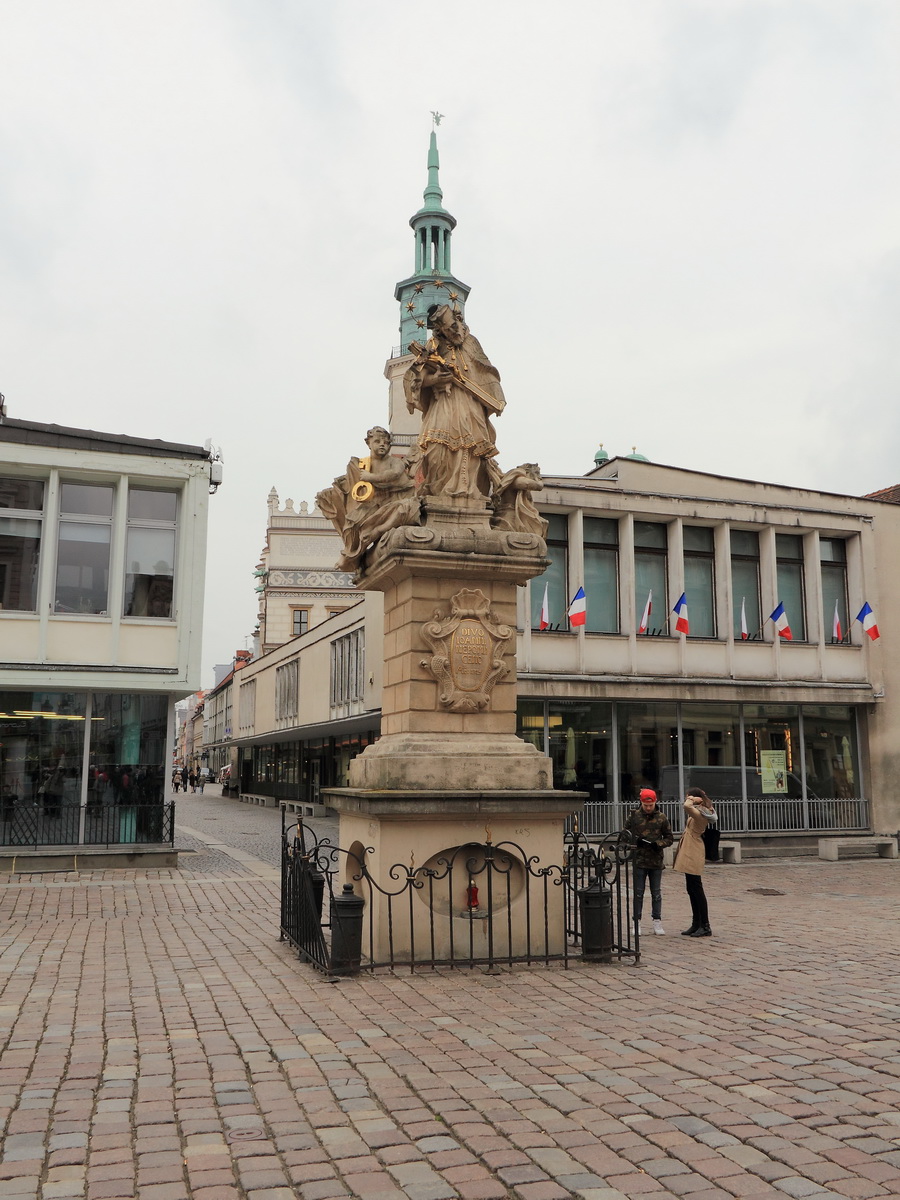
766 891
252 1133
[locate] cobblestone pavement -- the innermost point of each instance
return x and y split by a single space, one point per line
159 1043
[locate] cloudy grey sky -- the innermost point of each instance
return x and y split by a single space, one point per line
680 220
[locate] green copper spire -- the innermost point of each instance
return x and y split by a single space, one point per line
433 196
432 281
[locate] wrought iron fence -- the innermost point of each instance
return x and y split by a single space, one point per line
768 815
60 824
480 904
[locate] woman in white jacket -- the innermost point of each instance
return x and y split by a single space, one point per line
691 857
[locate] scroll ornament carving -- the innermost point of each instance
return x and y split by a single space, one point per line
468 650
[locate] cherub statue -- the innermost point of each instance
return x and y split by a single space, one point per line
375 495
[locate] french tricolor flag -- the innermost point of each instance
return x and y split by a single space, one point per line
578 608
681 614
779 616
836 631
648 608
545 609
869 624
745 632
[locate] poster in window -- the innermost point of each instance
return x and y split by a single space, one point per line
773 769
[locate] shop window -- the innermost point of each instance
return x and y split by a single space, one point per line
82 561
555 577
651 574
299 621
21 522
789 565
601 574
700 579
833 563
150 552
745 584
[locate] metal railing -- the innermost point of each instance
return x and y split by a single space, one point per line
481 904
49 824
787 814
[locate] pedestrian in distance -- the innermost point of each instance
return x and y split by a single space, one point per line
690 858
184 779
192 780
176 781
652 833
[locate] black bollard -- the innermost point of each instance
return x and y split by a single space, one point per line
346 932
595 904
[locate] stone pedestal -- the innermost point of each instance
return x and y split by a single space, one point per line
449 769
397 834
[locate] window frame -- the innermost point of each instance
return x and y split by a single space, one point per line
783 564
15 514
606 548
706 556
108 522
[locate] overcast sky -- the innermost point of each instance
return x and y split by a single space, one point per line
680 220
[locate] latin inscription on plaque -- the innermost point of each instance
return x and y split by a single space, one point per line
471 651
468 652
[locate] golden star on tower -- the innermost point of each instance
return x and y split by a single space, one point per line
410 307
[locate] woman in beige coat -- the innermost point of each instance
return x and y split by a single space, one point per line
691 855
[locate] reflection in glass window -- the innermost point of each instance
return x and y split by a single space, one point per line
789 565
554 578
745 583
711 749
601 574
530 722
648 750
150 553
581 747
829 734
833 556
700 579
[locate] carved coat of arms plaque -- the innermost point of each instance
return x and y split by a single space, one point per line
468 649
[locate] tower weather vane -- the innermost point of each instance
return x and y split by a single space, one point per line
436 118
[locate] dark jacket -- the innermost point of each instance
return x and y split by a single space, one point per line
649 827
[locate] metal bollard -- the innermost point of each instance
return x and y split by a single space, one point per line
595 906
346 932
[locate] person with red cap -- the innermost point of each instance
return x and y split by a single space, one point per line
649 827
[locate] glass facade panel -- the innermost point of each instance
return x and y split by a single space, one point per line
745 592
128 748
82 568
41 757
711 754
555 577
147 504
601 582
699 587
20 542
772 727
86 499
789 555
150 559
648 749
833 555
581 747
650 576
832 765
20 550
530 722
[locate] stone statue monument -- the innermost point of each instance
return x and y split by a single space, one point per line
457 390
375 495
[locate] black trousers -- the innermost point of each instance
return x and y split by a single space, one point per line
697 897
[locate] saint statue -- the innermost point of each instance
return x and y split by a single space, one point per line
457 390
375 495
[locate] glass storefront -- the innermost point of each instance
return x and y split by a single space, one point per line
297 771
68 758
767 767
